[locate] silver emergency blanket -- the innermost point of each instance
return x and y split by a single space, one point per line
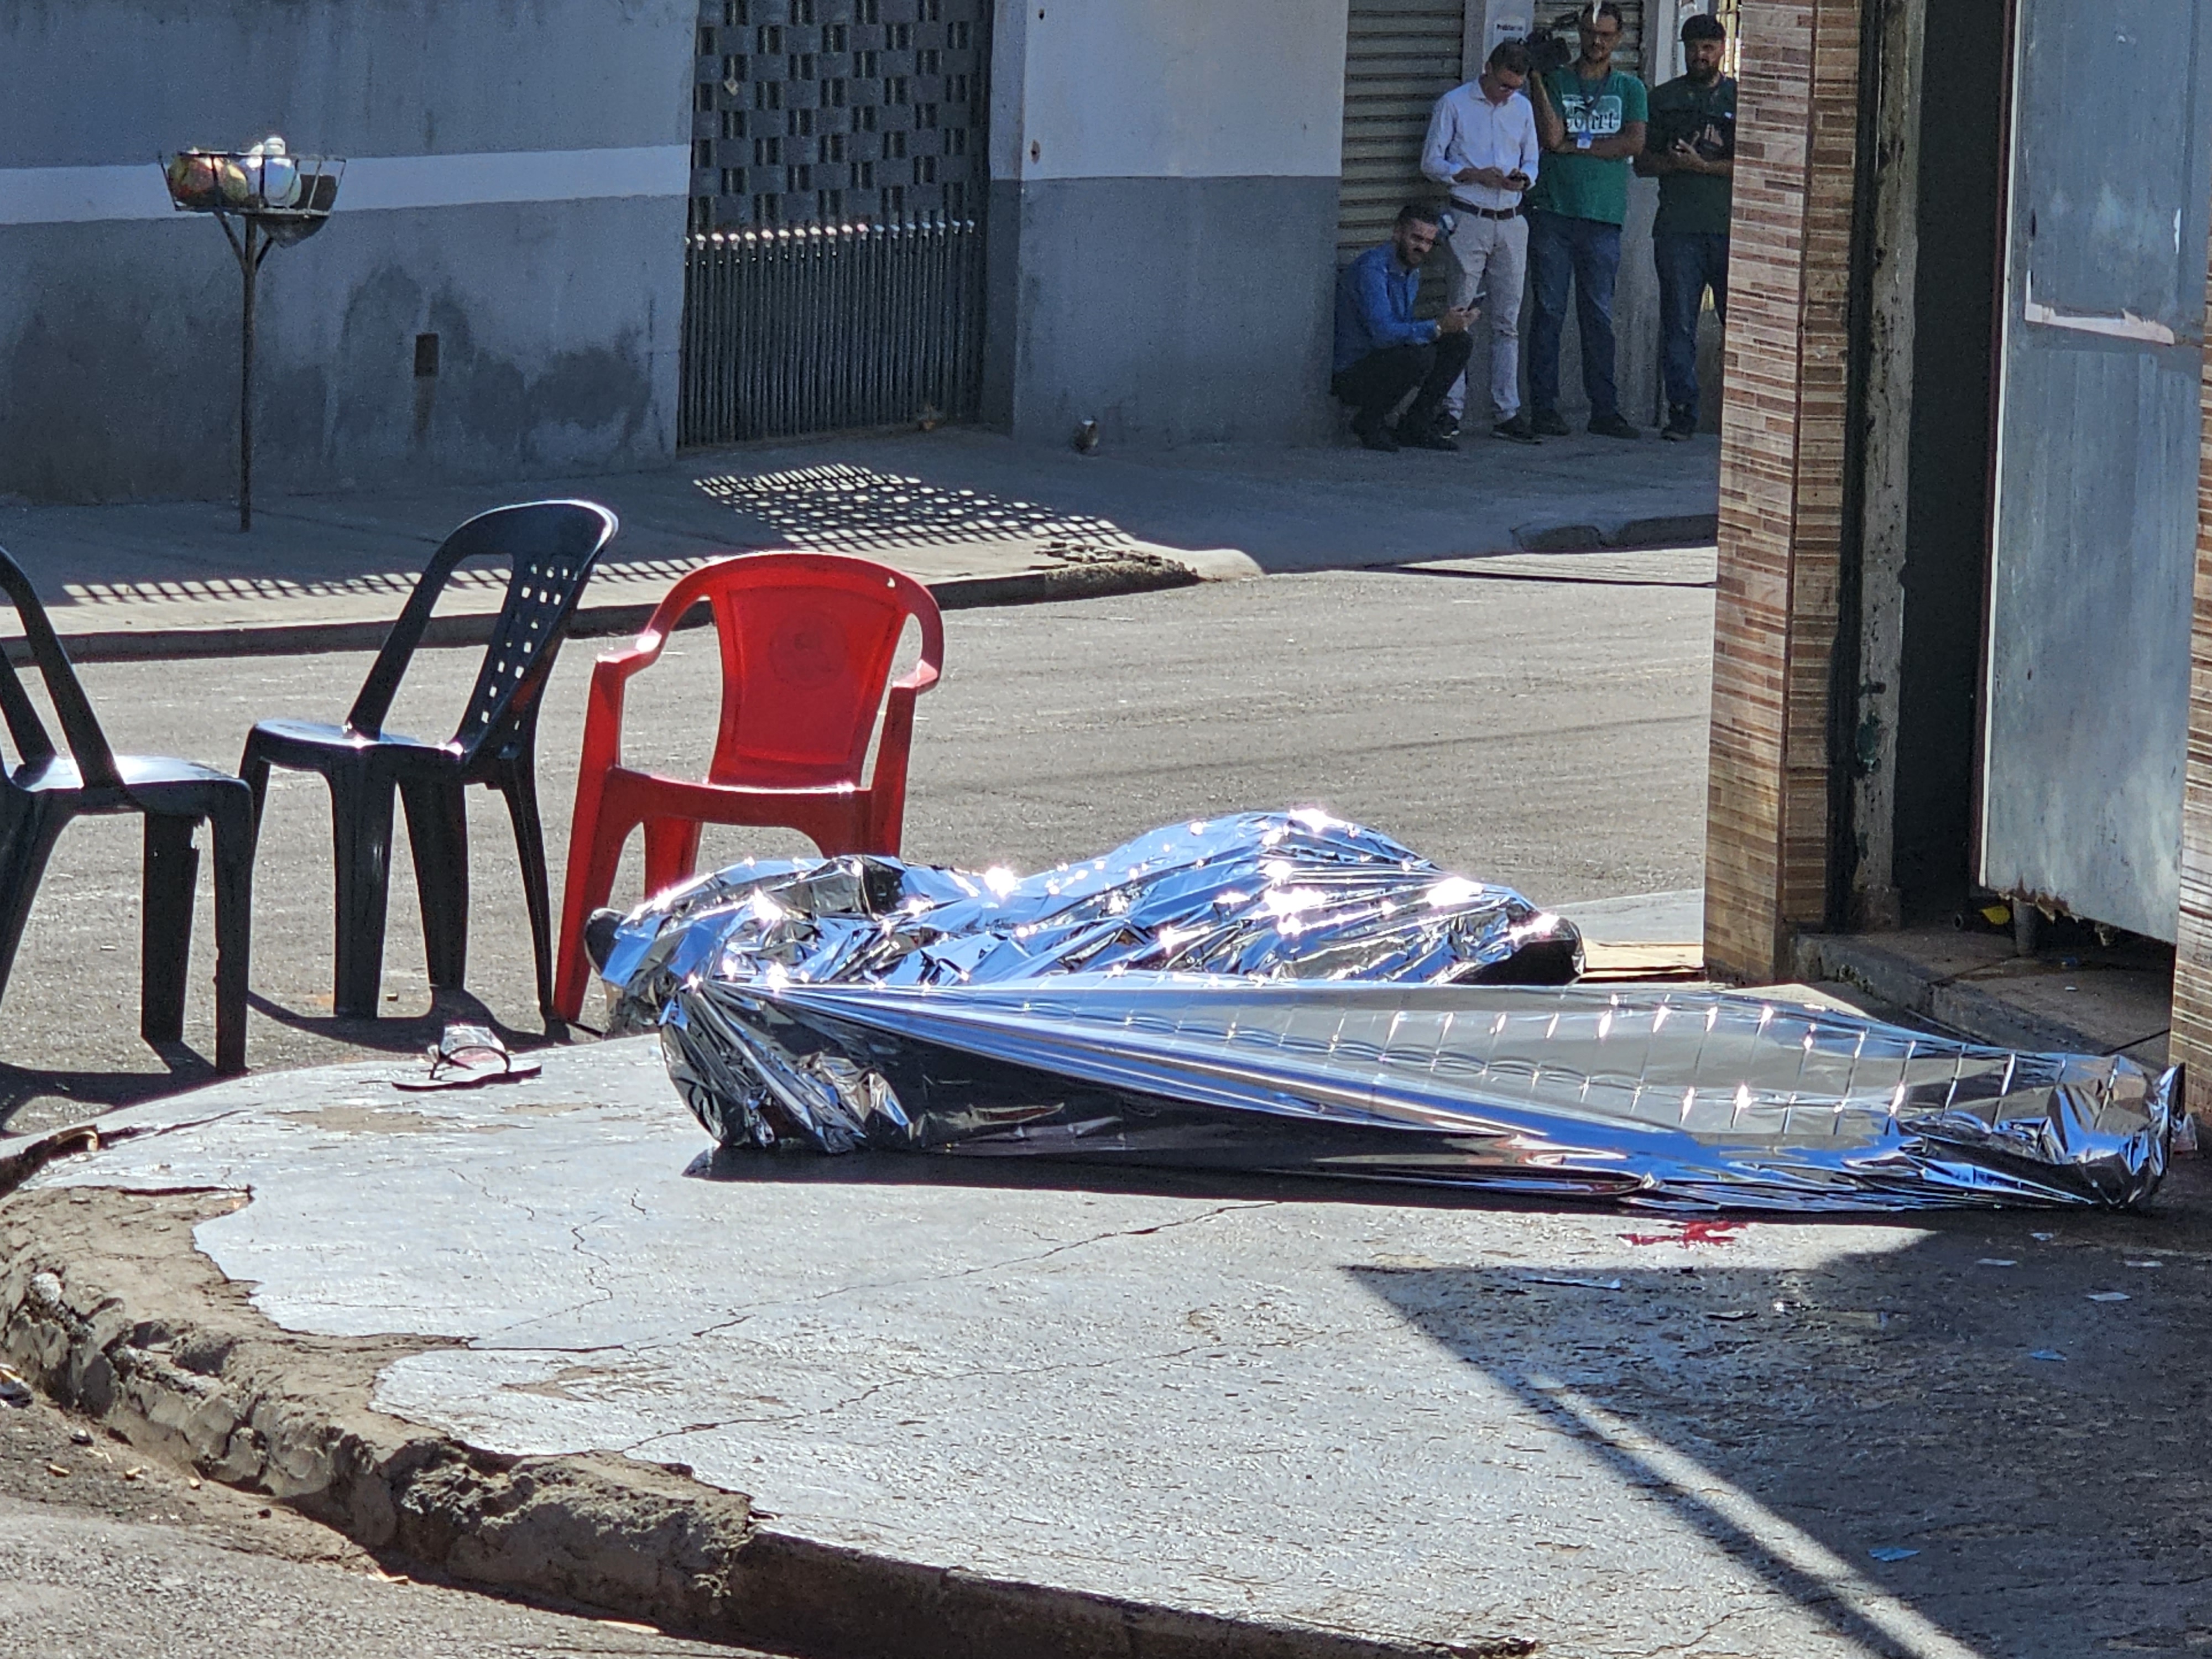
828 1006
1261 894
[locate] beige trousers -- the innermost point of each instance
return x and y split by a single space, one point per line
1491 260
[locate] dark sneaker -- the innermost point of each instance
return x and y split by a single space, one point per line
1546 423
1447 425
1612 426
1517 430
1378 437
1429 437
1681 425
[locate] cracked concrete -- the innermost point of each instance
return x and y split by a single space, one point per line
1298 1409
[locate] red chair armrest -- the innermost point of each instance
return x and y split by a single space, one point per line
619 666
924 675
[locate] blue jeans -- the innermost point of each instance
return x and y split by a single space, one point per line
1688 264
1588 251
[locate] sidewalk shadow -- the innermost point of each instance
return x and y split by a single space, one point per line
746 1166
1799 1419
842 508
73 1095
1045 1172
409 1033
97 1092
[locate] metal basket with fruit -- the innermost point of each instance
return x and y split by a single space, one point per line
264 197
289 195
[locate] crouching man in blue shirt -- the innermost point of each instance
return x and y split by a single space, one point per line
1383 353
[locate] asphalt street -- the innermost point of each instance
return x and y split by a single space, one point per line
1538 719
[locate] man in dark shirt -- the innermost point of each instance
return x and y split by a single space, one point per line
1590 118
1691 151
1383 353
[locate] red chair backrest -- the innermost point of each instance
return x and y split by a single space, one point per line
808 640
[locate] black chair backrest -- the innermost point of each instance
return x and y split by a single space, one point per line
552 546
87 745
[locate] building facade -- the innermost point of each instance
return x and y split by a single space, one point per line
1964 630
514 193
576 236
1163 192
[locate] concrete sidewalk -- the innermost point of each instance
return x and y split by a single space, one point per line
2080 997
2068 998
936 1408
979 519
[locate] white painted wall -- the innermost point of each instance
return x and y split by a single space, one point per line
1491 23
1168 89
1663 37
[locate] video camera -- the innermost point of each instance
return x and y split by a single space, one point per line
1547 53
1558 46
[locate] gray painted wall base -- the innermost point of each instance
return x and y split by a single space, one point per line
558 320
1170 311
557 327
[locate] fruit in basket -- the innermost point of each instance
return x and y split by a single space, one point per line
231 182
191 177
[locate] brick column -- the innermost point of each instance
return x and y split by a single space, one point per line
2190 1043
1782 485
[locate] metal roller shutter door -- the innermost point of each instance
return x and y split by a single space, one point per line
1629 55
1400 55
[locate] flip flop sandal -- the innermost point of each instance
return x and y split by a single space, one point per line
468 1057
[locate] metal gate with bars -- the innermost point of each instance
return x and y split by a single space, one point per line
833 270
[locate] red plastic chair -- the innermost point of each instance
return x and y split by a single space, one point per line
807 644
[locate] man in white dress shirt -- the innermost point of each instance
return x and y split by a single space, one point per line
1482 146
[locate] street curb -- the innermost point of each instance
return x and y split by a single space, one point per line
1138 572
112 1316
1956 1004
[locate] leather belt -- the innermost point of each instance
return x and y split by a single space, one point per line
1484 212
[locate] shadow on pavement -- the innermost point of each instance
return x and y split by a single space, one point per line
103 1091
2027 1445
843 508
1294 507
406 1034
798 1168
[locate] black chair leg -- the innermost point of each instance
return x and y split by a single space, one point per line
520 789
234 835
253 768
25 846
438 828
361 820
168 878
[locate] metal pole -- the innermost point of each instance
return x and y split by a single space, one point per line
250 266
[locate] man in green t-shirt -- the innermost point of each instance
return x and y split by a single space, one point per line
1590 118
1691 151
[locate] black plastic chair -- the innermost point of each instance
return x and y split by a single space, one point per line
552 546
46 790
